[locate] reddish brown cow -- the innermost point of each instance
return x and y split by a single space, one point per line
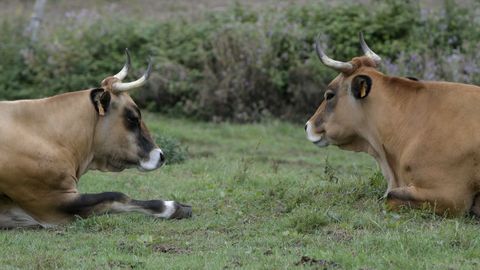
424 135
48 144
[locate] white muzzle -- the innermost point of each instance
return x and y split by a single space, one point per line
317 139
154 161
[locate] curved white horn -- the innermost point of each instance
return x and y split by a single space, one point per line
329 62
119 86
123 73
368 52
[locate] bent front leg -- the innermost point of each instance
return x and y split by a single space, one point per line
115 202
450 202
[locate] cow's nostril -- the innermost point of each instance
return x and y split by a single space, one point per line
162 157
306 127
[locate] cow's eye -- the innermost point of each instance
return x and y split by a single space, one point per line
132 119
329 94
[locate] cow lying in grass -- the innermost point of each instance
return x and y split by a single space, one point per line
47 144
424 135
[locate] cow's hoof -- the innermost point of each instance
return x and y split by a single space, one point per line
181 211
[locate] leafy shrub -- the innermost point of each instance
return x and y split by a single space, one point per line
174 152
240 64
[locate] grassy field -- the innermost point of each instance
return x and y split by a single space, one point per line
263 198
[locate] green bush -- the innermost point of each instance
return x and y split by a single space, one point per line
174 153
241 64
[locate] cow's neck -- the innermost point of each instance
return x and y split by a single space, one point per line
389 131
71 124
373 144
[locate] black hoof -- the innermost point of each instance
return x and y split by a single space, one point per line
182 211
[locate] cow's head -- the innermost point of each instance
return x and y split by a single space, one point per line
122 139
342 114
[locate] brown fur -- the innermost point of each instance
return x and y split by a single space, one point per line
424 135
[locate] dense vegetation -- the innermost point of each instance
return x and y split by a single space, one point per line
240 64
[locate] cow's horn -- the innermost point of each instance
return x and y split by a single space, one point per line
119 86
368 52
329 62
123 73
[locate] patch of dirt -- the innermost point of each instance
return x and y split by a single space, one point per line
169 249
324 264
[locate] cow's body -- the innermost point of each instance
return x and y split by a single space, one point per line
45 149
46 145
424 135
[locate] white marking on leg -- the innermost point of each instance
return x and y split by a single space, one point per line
118 207
168 211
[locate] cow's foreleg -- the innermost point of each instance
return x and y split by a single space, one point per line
449 202
115 202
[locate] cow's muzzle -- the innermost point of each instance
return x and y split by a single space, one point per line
155 159
317 139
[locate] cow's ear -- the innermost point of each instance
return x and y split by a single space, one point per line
361 86
101 100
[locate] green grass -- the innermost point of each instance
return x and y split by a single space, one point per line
263 198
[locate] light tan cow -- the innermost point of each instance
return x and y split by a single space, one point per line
46 145
425 135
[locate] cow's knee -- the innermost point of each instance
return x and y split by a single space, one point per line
399 198
84 205
451 204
